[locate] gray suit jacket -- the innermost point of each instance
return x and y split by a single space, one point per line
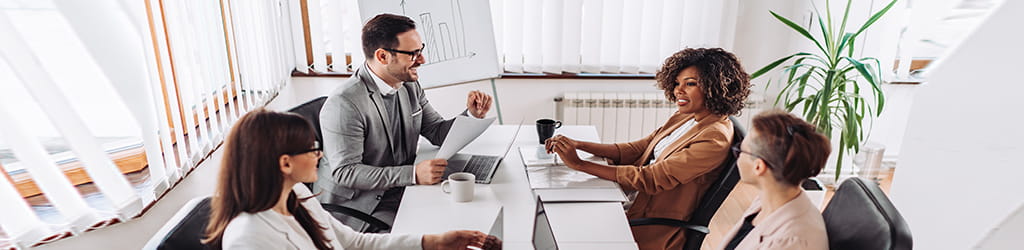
358 143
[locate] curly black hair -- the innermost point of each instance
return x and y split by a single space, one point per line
722 78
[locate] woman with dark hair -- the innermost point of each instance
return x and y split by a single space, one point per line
260 202
780 152
672 167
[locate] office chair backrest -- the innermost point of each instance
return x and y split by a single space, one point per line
860 216
717 192
185 229
311 111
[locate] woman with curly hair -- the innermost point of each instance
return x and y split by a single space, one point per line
672 167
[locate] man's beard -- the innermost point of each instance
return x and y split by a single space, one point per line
402 74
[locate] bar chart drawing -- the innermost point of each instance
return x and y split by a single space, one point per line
458 35
445 37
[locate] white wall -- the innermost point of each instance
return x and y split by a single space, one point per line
960 170
529 99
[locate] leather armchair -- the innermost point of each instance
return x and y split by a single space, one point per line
860 216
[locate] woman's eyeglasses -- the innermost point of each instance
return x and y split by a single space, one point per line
317 150
736 151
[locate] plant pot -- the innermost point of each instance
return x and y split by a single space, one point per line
814 190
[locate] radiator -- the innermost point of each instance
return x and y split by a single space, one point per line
619 117
623 117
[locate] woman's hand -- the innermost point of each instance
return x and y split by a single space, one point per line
565 148
549 144
460 239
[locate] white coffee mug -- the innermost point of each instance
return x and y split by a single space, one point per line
460 185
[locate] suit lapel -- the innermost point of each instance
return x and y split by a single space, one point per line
405 104
378 102
675 120
689 135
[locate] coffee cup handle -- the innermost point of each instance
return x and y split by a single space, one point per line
558 124
444 187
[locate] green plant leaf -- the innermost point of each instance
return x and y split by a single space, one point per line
875 17
846 42
842 27
863 69
774 64
852 41
825 33
799 29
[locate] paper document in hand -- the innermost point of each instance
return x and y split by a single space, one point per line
464 130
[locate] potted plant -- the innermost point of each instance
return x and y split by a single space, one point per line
828 85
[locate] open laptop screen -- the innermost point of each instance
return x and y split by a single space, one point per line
543 237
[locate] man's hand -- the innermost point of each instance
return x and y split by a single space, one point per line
429 172
478 103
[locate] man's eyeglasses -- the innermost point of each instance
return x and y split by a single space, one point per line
736 151
416 54
317 150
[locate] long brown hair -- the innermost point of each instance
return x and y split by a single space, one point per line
791 146
250 176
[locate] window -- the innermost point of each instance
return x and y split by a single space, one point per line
544 36
147 89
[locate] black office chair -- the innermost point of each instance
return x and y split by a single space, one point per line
860 216
311 111
697 226
185 229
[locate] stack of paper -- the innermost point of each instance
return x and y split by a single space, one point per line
555 182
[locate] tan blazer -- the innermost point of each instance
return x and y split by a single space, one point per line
672 186
796 225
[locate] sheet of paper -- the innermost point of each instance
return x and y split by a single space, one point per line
464 130
548 177
544 173
573 195
536 156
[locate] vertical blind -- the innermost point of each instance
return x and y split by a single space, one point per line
543 36
184 70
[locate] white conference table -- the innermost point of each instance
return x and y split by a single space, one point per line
589 225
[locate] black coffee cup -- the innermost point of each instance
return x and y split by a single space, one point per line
546 128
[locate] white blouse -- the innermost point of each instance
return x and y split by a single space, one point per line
673 137
271 230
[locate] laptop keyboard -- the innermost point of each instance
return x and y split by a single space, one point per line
481 165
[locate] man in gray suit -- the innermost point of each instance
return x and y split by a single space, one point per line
372 122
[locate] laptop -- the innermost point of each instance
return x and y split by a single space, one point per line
483 166
543 236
